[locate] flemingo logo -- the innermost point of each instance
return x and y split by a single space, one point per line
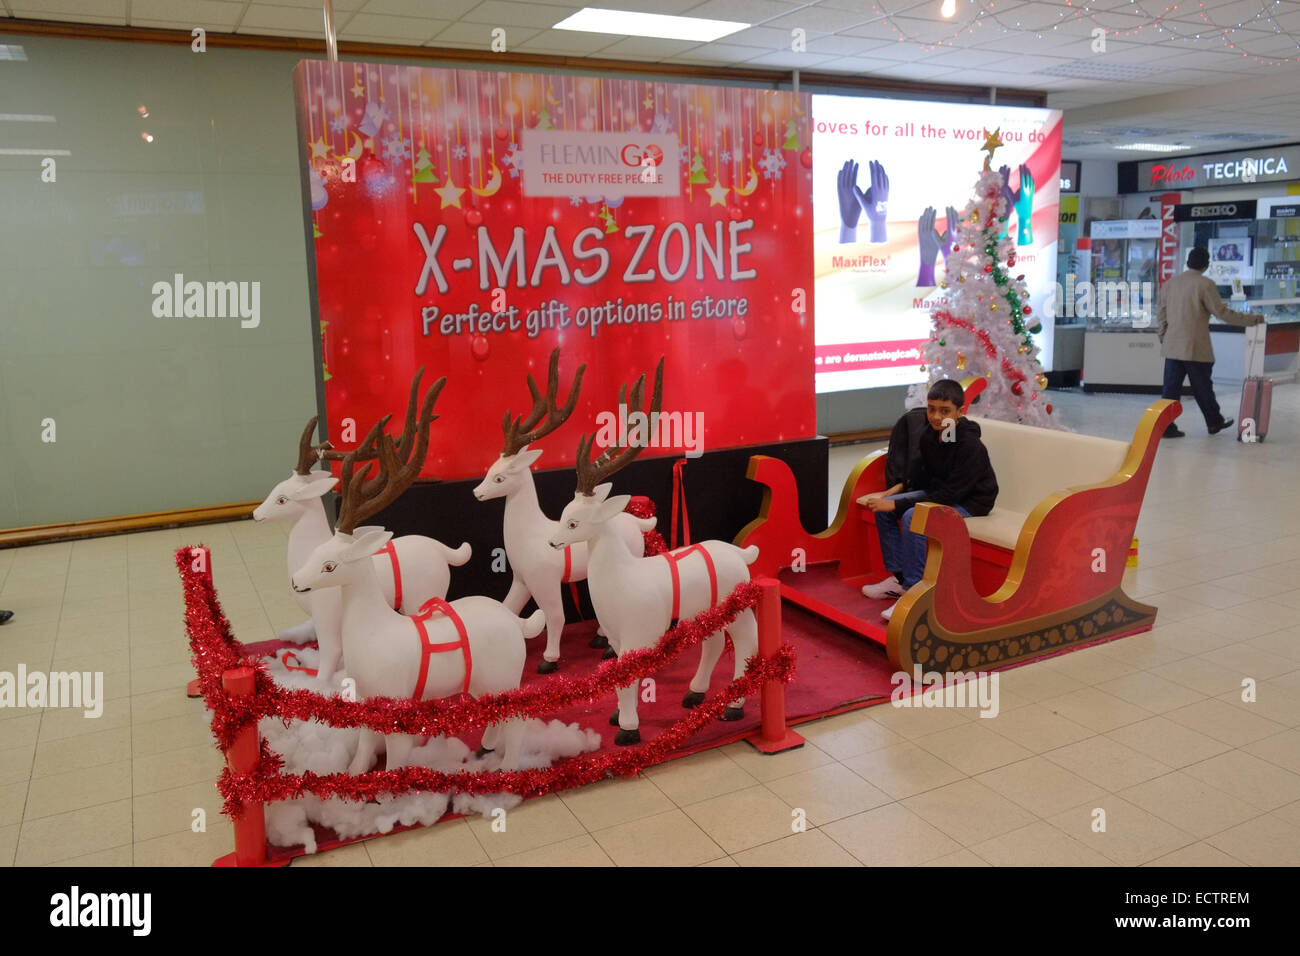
76 909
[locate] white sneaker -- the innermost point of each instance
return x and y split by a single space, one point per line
888 612
883 590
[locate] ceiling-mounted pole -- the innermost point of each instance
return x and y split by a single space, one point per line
993 90
794 80
331 42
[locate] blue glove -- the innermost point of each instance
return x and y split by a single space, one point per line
1024 203
874 201
928 242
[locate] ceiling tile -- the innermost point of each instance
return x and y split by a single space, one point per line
65 9
185 14
823 19
261 16
790 61
743 11
763 37
566 43
480 35
647 46
503 13
409 30
445 9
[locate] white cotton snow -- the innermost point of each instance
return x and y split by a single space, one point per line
311 745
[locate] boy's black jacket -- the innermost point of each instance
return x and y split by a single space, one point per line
955 472
904 446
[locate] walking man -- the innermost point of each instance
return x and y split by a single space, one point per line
1186 303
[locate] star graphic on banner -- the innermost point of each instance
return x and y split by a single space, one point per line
319 149
450 194
717 194
357 89
649 101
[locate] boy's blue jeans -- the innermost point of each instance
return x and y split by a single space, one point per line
903 549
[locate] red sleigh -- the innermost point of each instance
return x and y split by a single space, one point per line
991 594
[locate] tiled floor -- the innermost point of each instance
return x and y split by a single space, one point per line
1151 730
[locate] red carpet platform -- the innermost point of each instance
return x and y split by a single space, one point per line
836 671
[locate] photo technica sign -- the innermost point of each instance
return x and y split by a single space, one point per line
1270 164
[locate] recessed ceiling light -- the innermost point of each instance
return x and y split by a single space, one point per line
1153 147
12 51
627 23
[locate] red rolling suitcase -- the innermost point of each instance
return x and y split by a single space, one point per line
1256 396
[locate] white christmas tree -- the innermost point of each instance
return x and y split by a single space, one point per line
985 326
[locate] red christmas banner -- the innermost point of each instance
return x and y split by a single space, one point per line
471 221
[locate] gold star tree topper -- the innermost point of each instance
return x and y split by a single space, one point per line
991 142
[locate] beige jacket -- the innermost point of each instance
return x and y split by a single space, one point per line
1186 303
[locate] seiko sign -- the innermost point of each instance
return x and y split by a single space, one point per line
1274 164
1193 212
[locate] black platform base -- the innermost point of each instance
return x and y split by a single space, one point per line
720 501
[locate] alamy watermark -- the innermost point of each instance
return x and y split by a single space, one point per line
74 689
208 300
1104 300
955 689
655 430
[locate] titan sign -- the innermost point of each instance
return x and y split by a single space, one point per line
1221 169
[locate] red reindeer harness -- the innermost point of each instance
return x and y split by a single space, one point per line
427 610
673 558
391 551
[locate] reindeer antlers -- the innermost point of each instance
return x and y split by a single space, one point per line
592 473
399 463
523 431
309 454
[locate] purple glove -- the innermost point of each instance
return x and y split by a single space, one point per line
850 208
948 239
928 242
874 201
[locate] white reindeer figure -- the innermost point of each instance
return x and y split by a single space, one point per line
472 645
411 569
637 598
540 570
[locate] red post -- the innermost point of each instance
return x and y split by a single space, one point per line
773 736
244 756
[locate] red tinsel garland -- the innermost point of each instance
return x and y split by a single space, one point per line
269 784
215 651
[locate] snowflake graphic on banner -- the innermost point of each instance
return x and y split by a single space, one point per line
397 148
513 159
663 123
458 151
725 155
339 124
575 200
772 164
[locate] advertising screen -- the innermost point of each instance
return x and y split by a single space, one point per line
889 176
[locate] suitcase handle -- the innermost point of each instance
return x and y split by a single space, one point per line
1254 347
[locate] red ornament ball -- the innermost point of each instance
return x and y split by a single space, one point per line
805 158
736 213
533 117
480 347
501 133
1017 388
988 268
739 329
1049 408
956 248
757 139
1026 310
473 218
